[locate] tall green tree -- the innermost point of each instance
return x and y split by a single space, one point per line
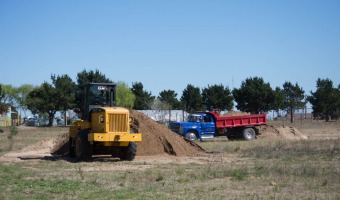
23 91
169 97
44 99
294 97
9 94
217 97
192 99
3 105
254 96
66 90
325 100
144 99
125 97
91 76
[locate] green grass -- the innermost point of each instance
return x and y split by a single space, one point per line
306 169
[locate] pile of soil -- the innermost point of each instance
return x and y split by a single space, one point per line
156 139
281 132
235 113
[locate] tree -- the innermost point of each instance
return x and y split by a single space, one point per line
23 91
125 97
43 99
325 100
3 105
293 98
91 76
217 97
254 96
169 97
9 94
65 89
144 99
192 99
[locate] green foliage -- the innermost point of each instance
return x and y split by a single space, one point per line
294 97
125 97
169 97
325 100
21 97
254 96
144 99
3 106
44 99
217 97
91 76
192 99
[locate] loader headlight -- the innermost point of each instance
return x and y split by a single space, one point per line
130 120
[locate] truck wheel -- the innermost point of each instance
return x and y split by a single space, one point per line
249 134
129 152
82 149
71 149
191 136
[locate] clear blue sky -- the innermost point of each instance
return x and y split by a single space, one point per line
169 44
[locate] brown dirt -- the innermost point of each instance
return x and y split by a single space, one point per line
281 132
235 113
157 139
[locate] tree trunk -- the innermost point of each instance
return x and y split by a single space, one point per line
291 116
50 119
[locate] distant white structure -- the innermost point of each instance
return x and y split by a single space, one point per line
165 115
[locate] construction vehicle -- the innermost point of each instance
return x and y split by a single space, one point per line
104 129
207 125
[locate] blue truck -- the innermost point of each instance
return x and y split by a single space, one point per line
207 125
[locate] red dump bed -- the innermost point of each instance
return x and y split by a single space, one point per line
238 121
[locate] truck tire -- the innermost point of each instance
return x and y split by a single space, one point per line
191 136
249 134
82 149
71 152
129 153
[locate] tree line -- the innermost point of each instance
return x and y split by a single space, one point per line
253 96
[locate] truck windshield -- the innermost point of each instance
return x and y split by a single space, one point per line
194 118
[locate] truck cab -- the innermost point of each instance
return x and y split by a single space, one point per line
198 126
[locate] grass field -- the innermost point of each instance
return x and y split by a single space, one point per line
261 169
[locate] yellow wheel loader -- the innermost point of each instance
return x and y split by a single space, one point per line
104 129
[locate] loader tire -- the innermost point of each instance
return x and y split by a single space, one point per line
249 134
82 149
129 153
71 152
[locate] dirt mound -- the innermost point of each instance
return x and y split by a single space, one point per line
235 113
281 132
156 140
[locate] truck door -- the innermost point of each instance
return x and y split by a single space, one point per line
207 125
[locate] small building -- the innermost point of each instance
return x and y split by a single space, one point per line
9 118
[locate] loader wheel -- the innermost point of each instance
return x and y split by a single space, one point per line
249 134
71 148
82 148
191 136
129 152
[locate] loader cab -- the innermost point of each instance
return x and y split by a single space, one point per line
97 95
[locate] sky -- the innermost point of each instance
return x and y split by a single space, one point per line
167 45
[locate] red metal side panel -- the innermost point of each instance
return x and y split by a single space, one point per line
237 121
